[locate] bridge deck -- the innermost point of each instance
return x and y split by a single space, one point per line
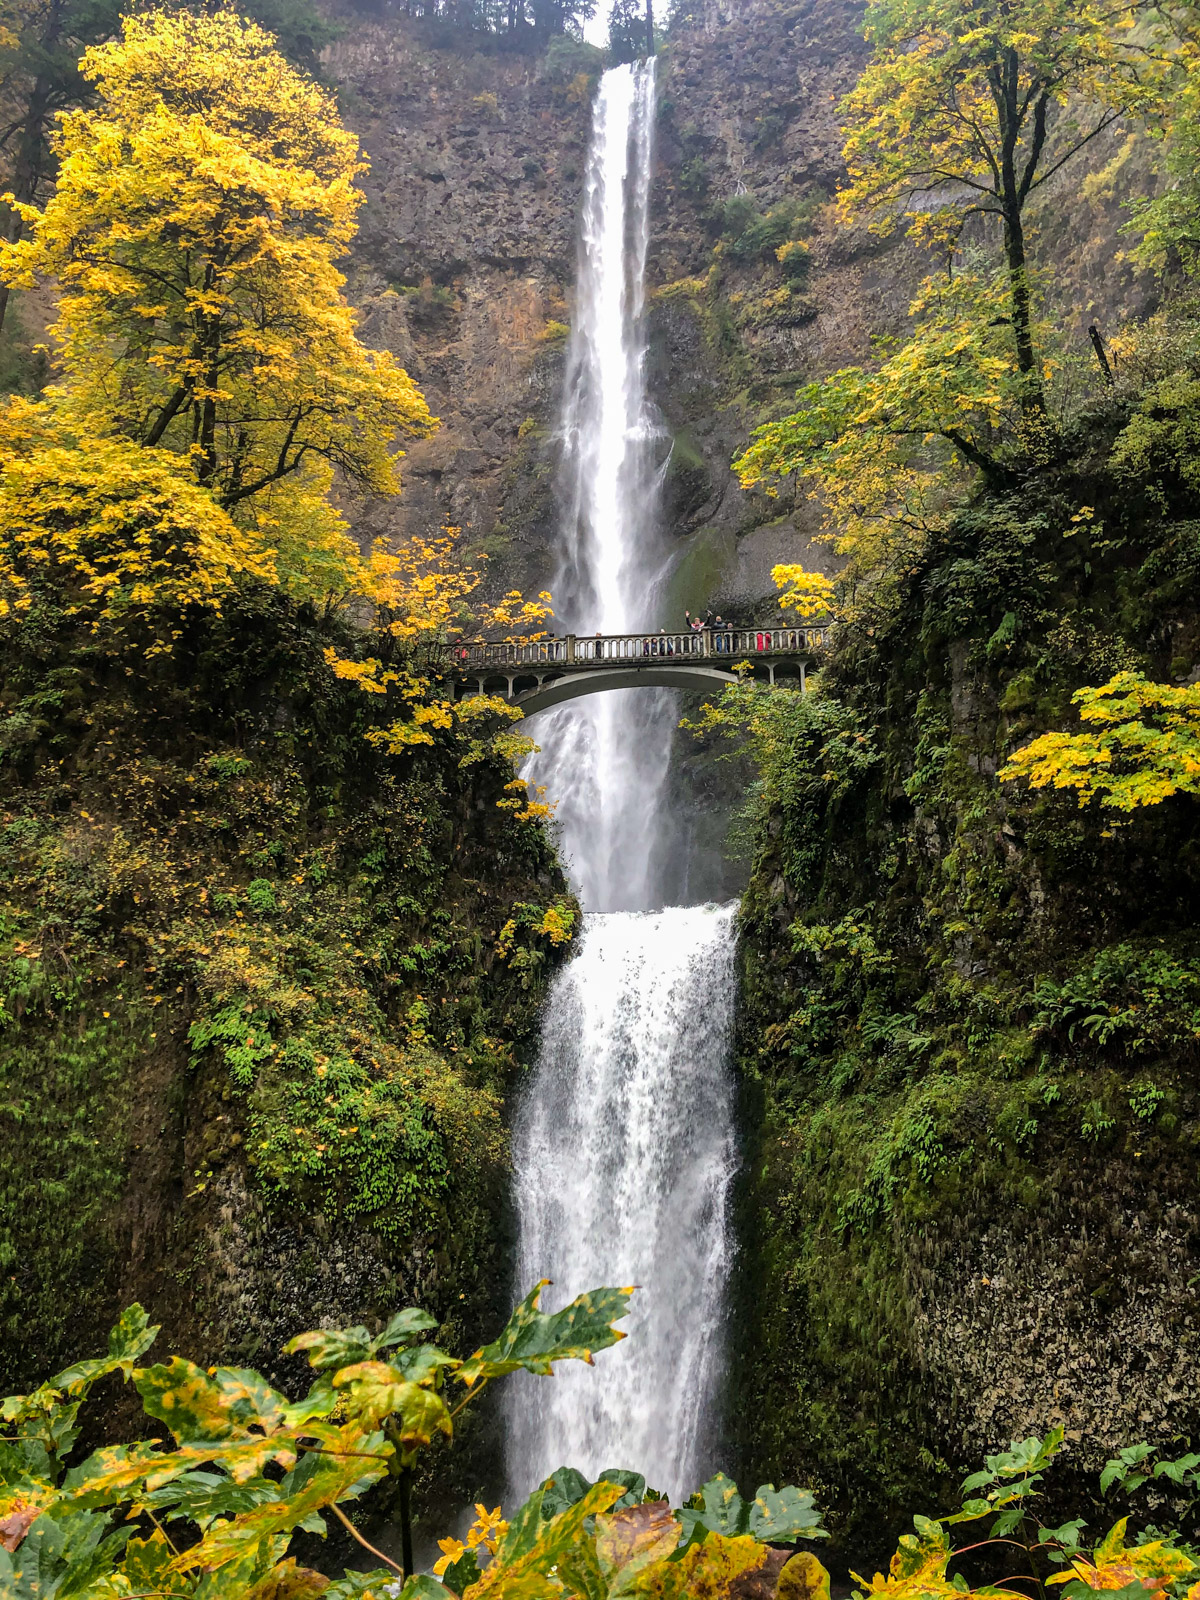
545 673
581 652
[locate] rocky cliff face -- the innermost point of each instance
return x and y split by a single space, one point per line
463 269
1002 1259
466 261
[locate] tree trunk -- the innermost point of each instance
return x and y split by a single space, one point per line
1101 353
1006 87
649 28
29 167
1022 304
207 438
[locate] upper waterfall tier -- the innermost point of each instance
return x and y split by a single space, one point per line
605 763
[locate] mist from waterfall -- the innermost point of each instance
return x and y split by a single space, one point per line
623 1144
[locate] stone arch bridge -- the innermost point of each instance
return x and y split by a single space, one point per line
547 673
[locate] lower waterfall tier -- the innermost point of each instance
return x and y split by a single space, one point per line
624 1151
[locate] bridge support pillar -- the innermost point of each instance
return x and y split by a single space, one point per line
570 647
803 680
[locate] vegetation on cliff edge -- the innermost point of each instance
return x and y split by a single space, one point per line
971 1007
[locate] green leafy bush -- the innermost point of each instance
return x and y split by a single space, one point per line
212 1514
753 235
1135 998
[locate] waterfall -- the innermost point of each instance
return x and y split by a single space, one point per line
623 1144
624 1156
605 760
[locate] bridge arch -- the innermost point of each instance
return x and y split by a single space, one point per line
571 686
542 673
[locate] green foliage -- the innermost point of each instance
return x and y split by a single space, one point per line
248 1467
969 1007
567 58
751 235
212 1510
958 999
774 1516
1136 1465
627 31
64 1122
235 909
1139 999
533 1340
811 751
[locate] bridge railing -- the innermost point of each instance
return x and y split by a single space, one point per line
590 650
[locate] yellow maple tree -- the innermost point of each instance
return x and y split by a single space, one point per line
200 209
117 531
809 593
212 387
1141 745
428 605
965 110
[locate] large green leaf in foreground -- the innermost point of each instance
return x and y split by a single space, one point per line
533 1340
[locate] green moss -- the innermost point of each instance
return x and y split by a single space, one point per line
64 1116
964 1010
243 952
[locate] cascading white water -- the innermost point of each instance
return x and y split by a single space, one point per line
605 760
624 1156
623 1146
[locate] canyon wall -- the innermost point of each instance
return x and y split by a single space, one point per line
465 264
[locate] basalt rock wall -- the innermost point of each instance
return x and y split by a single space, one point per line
465 266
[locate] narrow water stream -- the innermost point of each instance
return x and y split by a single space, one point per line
623 1143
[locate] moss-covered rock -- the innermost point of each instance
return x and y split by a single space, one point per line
970 1027
261 1002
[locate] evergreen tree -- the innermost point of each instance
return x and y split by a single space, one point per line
626 31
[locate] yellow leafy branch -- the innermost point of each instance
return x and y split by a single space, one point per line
1142 746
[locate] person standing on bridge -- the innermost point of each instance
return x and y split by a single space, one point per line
599 645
